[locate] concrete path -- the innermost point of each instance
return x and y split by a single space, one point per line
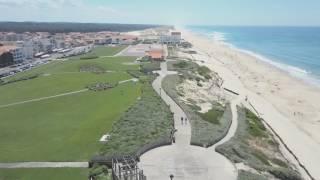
44 165
182 160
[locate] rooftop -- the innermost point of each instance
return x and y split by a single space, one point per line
6 48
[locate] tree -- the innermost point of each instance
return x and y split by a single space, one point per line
6 59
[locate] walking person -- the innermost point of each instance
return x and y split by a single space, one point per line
186 120
182 120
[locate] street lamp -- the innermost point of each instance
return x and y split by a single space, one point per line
171 176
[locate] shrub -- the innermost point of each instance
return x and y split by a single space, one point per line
89 57
24 78
212 116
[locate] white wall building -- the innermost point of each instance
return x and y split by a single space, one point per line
172 38
27 48
17 54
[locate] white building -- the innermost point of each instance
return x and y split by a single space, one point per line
173 38
27 48
17 54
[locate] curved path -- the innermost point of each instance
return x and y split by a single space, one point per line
181 159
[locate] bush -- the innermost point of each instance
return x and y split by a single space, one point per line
149 67
212 116
24 78
246 175
181 65
284 174
89 57
94 68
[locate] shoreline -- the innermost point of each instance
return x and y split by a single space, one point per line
288 104
293 71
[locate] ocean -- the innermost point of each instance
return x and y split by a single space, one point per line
295 50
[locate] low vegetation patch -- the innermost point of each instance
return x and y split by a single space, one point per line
213 115
92 68
149 67
256 147
101 86
147 121
89 57
246 175
23 78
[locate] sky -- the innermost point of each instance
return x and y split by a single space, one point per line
171 12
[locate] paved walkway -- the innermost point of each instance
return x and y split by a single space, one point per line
43 165
182 160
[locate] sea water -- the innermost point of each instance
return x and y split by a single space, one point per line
295 50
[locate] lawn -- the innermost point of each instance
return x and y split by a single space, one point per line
45 173
63 128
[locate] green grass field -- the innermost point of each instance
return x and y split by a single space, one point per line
44 173
63 128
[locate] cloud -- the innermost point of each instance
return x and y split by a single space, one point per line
57 10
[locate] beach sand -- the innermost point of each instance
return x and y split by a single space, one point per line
289 105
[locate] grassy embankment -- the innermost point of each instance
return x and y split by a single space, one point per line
256 147
207 128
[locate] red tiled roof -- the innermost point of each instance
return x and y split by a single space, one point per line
4 49
155 54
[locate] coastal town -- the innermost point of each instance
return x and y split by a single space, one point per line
194 112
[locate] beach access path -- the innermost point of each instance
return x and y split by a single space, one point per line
182 160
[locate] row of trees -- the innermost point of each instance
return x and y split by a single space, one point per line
6 59
62 27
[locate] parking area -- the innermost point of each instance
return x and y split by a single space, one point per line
138 50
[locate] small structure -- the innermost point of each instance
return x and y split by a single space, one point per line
156 54
126 168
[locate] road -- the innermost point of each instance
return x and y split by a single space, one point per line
182 160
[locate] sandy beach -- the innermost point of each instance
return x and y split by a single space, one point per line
288 104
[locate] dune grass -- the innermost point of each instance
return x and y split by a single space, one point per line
256 147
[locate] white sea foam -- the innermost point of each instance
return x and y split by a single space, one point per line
292 70
218 36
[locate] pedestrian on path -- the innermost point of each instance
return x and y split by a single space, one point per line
182 120
186 120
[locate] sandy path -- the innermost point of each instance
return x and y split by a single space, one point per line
43 165
181 159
